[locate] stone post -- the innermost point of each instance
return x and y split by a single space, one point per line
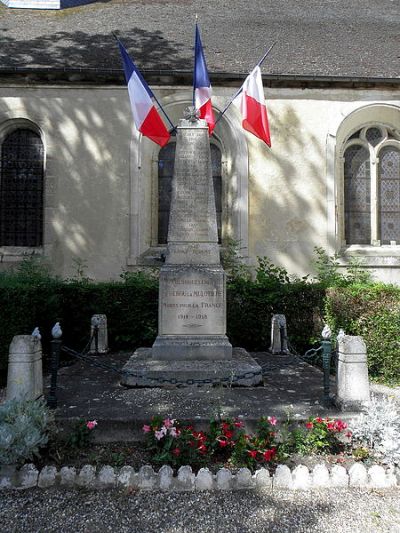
278 335
25 378
352 374
99 322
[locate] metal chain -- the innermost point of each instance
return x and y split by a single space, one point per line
173 381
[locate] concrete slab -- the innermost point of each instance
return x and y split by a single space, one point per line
290 386
143 371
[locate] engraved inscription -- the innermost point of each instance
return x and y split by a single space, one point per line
192 302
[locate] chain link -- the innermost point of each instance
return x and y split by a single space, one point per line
172 381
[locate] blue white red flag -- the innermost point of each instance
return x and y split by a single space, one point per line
251 102
202 85
145 115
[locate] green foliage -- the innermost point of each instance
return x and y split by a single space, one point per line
372 311
81 433
24 429
226 441
233 261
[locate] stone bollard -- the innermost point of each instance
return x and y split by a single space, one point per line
352 374
278 335
99 321
25 378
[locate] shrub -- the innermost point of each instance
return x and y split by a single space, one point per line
378 429
372 311
24 429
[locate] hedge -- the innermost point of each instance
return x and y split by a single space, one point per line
372 311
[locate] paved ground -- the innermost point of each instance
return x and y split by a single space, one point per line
290 386
331 511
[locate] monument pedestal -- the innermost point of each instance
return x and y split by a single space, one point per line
142 370
192 347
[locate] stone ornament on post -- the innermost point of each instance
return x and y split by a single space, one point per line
25 377
352 374
98 334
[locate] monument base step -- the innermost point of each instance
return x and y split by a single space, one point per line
143 371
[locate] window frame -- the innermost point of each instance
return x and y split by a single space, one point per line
374 151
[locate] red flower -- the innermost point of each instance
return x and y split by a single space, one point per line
228 434
309 425
222 443
331 426
238 424
252 453
349 434
202 448
268 454
176 451
319 419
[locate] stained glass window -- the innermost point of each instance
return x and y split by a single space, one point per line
389 194
21 189
357 195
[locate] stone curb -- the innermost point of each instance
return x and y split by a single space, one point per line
106 477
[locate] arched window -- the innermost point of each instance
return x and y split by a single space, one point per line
166 159
372 186
21 189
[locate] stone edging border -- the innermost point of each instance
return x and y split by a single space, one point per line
300 478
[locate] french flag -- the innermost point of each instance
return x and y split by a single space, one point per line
251 103
145 115
202 85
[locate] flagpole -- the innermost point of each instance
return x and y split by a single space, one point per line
154 96
241 88
194 64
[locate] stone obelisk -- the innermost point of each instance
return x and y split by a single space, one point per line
192 303
192 347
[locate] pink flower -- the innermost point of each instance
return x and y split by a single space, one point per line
309 425
91 424
176 451
146 428
160 434
168 422
173 432
272 420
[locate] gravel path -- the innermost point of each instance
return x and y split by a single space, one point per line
338 511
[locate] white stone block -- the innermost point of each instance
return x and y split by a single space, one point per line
262 479
378 478
28 476
244 479
87 477
126 477
301 478
352 373
204 480
148 479
67 476
339 476
320 476
358 475
185 479
25 378
166 477
47 477
282 478
224 479
106 477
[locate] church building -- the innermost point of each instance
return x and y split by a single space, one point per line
79 183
